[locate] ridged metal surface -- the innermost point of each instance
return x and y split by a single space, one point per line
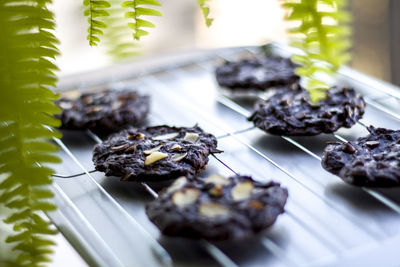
326 223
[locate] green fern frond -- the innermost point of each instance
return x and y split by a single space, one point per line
95 11
323 35
27 49
117 36
138 9
206 11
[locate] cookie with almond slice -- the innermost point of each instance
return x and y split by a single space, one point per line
257 73
290 112
155 153
217 207
104 112
372 161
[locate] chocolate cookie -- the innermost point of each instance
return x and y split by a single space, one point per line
290 112
373 160
258 74
217 208
104 112
155 153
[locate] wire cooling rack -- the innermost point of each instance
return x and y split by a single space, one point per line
326 222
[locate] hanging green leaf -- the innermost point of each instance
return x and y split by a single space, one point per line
138 9
322 34
95 11
117 36
205 9
27 49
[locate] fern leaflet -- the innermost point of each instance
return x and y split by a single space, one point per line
118 41
95 11
206 11
323 36
27 49
138 9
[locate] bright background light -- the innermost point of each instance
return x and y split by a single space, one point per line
237 22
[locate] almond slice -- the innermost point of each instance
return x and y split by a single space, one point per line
257 205
242 191
216 191
179 157
175 147
185 197
212 209
126 177
178 184
165 136
116 105
88 100
73 94
191 137
153 157
218 180
94 109
65 105
131 148
151 150
121 147
136 136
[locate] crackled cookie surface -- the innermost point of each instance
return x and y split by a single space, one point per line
290 112
217 207
256 73
155 153
373 160
104 112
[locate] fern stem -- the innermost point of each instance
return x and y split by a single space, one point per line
91 22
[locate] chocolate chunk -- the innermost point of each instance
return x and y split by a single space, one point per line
377 167
144 154
372 144
348 148
231 210
339 109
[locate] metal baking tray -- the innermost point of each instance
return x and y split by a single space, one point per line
326 223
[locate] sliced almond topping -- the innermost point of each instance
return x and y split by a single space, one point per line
154 149
257 205
88 100
153 157
212 209
242 191
218 179
140 136
117 105
131 148
126 177
136 136
73 94
94 109
179 157
65 105
185 197
191 137
178 184
165 136
121 147
175 147
217 190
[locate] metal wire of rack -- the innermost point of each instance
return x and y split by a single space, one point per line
312 224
